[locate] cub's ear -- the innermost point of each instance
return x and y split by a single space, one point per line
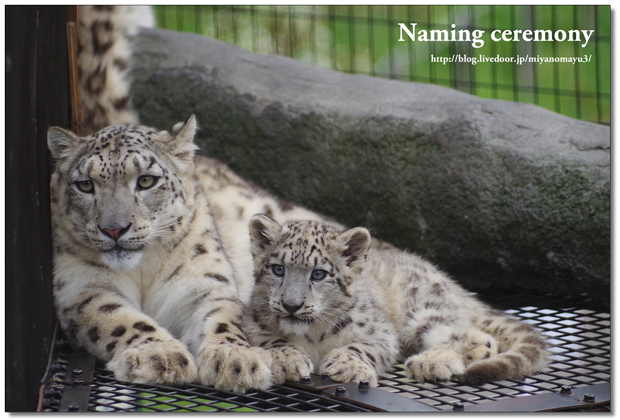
181 145
354 246
62 143
264 231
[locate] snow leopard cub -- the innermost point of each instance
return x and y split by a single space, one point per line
326 302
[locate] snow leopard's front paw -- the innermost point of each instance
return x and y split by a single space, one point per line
155 362
345 366
434 365
289 364
478 346
234 368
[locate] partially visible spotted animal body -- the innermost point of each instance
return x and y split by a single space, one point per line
105 34
152 262
327 302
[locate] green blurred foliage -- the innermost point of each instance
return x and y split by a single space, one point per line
364 40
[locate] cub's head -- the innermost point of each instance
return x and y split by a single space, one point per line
304 270
120 190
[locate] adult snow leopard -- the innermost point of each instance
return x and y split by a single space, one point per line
326 302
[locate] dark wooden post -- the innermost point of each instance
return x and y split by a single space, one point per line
37 97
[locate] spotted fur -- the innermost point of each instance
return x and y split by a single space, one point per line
373 306
105 34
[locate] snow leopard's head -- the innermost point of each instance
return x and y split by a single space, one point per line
120 190
303 270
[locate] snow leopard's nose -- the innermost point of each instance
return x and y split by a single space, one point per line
115 233
292 308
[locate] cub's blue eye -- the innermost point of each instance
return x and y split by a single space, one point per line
278 270
318 275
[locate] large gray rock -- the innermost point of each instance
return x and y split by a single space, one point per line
491 191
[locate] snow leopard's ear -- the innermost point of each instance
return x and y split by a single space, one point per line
354 246
62 143
264 231
181 145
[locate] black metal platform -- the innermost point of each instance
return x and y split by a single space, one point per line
578 379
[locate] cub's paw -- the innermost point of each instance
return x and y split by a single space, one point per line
234 368
156 362
478 346
346 367
434 365
289 364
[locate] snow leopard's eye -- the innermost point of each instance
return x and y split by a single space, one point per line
86 186
318 275
146 181
278 270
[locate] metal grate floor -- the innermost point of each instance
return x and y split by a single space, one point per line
579 331
111 395
577 327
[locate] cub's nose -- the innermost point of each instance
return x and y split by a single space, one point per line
292 308
115 233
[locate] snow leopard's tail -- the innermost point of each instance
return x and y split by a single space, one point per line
522 350
105 35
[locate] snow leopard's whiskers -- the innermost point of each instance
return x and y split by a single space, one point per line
160 228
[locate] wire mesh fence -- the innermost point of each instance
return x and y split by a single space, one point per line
365 40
